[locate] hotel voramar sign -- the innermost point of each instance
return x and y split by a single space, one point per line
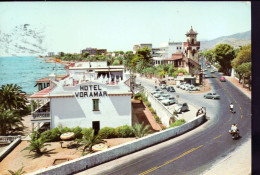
90 91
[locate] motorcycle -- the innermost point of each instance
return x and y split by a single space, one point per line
235 134
232 110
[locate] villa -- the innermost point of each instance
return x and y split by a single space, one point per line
92 94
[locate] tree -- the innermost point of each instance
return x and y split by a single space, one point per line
140 130
86 54
127 60
142 59
209 55
12 97
243 56
224 54
9 121
89 139
245 71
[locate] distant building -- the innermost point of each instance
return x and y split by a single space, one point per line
140 46
51 54
93 51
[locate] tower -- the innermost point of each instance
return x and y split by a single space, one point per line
192 46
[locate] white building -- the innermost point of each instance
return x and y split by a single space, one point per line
91 95
166 51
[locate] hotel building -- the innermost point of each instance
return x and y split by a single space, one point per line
92 94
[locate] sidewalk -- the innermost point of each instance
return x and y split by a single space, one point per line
239 161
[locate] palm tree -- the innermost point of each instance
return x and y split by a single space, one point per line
90 139
36 143
12 97
9 121
18 172
140 130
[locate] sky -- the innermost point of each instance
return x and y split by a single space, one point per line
73 26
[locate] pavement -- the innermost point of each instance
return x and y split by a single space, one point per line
239 161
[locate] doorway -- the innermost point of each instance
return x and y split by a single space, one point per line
96 126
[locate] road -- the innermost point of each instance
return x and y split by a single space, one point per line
198 150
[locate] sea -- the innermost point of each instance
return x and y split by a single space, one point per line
24 71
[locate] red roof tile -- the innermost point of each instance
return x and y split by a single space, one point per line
41 94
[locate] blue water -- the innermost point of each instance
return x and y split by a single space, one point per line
24 71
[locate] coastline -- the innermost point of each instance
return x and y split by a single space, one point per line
52 60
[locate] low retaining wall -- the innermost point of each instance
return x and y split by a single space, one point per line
9 148
94 159
162 112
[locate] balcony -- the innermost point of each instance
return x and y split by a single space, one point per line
42 114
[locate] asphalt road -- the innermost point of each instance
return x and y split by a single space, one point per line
198 151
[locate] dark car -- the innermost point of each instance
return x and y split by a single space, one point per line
170 89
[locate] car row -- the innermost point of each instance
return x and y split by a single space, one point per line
188 87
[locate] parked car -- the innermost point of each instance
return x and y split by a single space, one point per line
181 107
157 92
222 79
169 101
163 86
162 98
170 89
205 69
194 88
212 95
212 71
157 95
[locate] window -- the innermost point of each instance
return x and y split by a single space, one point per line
95 104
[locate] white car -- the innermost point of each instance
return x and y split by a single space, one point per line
163 86
169 101
162 98
181 107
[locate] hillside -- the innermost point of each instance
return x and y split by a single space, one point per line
235 40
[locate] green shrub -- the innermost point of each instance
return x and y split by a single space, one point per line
157 119
66 129
107 132
46 135
147 103
77 131
138 95
124 131
86 131
55 134
178 123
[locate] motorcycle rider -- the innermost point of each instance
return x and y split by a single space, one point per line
231 107
233 130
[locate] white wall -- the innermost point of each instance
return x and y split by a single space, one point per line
78 111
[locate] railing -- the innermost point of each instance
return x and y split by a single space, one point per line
41 115
8 139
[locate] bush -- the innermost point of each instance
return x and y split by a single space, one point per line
46 135
124 131
77 131
107 132
55 134
147 103
157 119
86 131
138 96
178 123
66 129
